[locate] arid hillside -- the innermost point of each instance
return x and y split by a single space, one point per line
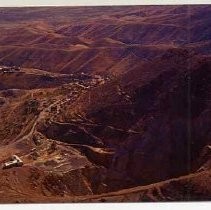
105 104
99 39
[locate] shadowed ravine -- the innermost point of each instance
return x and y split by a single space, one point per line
105 104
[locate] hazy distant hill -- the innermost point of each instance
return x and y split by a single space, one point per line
109 103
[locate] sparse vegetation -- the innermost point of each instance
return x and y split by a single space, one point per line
105 104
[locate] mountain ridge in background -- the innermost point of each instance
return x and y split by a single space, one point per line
105 104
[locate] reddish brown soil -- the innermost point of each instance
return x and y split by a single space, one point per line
111 104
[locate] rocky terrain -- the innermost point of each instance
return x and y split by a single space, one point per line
105 104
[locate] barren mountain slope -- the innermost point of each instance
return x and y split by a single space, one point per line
58 39
105 103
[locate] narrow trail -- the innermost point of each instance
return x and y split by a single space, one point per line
49 113
43 114
140 189
25 134
92 124
95 149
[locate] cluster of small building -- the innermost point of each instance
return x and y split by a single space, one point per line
9 69
14 161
